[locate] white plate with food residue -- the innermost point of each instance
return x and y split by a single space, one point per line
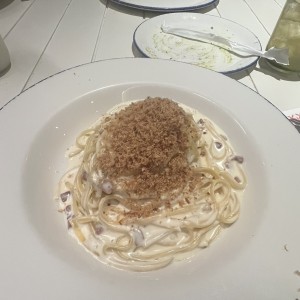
153 43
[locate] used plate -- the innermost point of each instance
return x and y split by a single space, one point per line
152 42
257 258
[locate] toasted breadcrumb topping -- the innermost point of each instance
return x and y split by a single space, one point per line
148 144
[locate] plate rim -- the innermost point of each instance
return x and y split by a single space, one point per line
248 66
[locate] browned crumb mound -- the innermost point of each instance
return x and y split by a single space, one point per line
150 140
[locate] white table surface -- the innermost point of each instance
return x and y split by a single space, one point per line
45 37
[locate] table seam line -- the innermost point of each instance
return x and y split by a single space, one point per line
216 7
19 19
264 27
99 32
47 44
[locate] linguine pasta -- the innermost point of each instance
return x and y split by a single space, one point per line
151 181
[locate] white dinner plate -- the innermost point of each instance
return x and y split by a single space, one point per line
166 5
256 258
152 42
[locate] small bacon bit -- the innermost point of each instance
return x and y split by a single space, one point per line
239 159
218 145
84 176
69 224
237 179
65 196
68 211
68 208
98 228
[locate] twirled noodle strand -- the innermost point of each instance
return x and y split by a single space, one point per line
146 231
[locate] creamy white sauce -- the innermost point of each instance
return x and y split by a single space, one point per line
144 235
198 53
